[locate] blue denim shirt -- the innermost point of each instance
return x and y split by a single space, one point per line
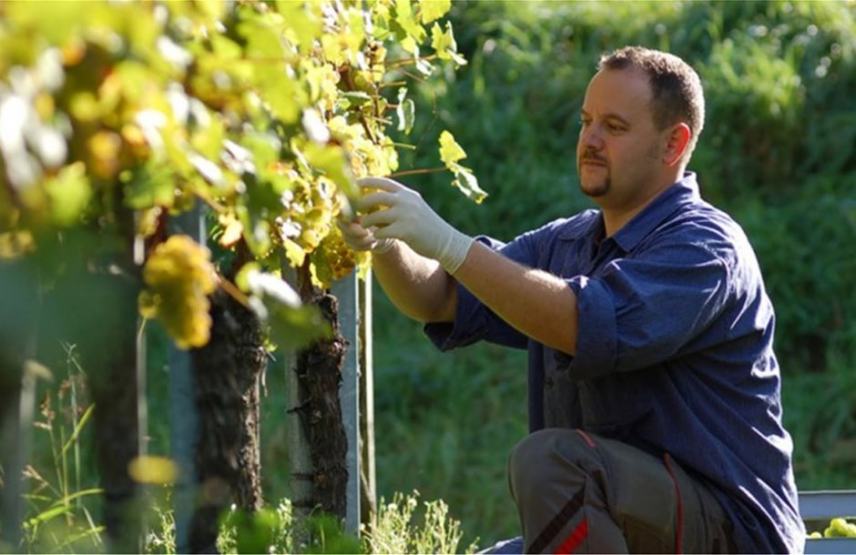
674 352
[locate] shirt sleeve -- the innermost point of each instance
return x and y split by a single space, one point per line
473 320
644 309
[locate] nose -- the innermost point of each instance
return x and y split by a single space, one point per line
591 137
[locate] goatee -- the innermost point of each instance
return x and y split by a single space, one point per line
598 190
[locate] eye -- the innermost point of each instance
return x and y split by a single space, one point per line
614 127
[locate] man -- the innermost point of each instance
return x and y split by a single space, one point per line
654 393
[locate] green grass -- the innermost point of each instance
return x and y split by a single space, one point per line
445 422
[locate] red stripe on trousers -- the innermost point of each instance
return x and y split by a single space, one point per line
586 437
679 532
575 539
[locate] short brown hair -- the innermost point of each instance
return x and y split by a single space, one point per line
676 88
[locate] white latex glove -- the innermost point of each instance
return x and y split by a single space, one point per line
361 239
407 217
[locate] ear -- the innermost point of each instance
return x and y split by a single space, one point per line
677 142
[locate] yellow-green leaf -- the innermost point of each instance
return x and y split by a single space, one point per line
330 160
450 150
302 24
443 42
69 193
404 17
434 9
468 184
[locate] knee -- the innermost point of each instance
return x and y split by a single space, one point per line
545 456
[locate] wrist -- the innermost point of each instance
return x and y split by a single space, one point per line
455 250
382 246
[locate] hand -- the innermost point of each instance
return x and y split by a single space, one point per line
405 216
361 239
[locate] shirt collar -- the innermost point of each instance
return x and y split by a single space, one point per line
683 191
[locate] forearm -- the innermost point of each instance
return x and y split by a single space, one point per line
416 285
536 303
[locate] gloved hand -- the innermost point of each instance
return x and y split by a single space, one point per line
407 217
361 239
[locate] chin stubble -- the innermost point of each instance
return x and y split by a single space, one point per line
598 190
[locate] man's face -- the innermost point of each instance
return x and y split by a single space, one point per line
618 151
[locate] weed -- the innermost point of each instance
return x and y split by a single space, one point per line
397 529
59 518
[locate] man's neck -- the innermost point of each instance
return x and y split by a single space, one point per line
616 217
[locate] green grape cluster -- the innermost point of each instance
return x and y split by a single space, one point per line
310 209
179 277
840 528
334 259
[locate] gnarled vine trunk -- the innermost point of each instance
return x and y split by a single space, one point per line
319 375
227 373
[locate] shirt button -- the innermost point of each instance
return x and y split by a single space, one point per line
548 381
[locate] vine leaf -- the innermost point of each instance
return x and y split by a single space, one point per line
404 17
466 181
406 111
443 42
450 153
148 185
69 193
434 9
450 150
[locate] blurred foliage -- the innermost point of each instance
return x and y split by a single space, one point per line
117 117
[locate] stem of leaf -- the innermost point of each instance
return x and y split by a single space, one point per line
414 76
233 291
408 61
417 171
219 208
392 84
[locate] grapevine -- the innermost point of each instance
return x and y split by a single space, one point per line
265 112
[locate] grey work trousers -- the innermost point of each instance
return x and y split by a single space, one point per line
581 493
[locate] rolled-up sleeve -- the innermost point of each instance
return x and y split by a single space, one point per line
644 309
596 333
